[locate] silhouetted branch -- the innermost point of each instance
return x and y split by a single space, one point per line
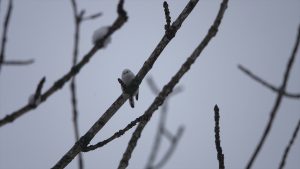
93 16
17 62
74 71
116 134
171 84
3 43
287 149
171 149
97 126
217 138
35 99
167 15
266 84
39 87
77 20
4 34
280 94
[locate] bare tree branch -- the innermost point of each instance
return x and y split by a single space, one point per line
17 62
171 84
37 94
288 147
220 155
91 17
118 23
171 149
4 34
161 131
77 21
167 15
266 84
280 94
4 40
97 126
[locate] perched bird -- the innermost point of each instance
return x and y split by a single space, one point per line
99 34
127 77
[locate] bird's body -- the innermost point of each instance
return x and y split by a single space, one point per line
127 77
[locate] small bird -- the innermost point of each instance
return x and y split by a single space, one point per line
127 77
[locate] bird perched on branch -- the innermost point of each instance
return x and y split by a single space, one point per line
127 77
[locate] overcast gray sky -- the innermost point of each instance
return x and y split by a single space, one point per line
257 34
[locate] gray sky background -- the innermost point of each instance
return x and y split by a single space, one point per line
257 34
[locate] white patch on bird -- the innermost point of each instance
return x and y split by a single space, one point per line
99 34
127 77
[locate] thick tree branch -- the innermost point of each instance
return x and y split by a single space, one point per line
171 84
122 18
220 155
4 34
97 126
280 94
288 147
266 84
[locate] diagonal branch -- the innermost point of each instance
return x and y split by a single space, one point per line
266 84
277 102
171 84
97 126
288 147
118 23
4 34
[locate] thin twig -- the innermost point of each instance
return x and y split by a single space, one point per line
17 62
288 147
77 21
4 34
277 102
97 126
39 88
171 84
118 23
91 17
266 84
220 155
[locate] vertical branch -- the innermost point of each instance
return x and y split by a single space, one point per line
277 102
4 34
77 21
167 15
89 135
287 149
217 138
